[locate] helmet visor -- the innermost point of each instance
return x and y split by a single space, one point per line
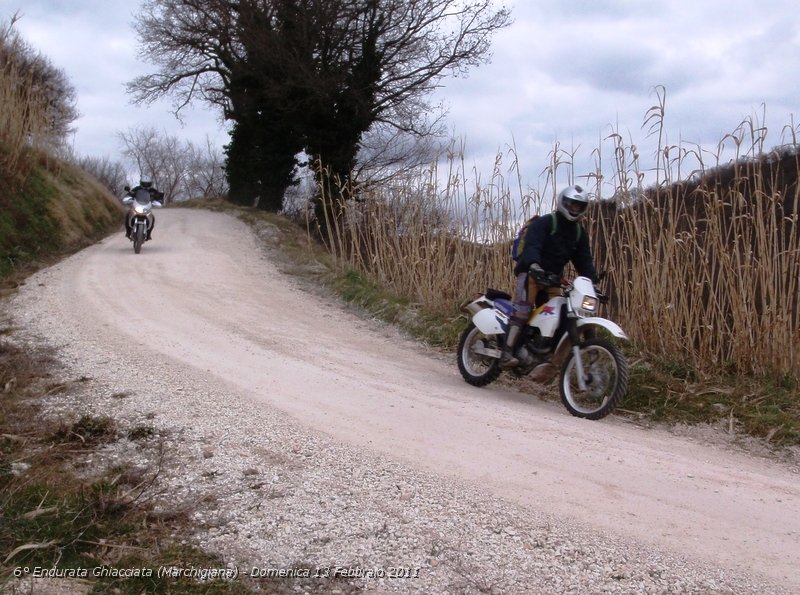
575 207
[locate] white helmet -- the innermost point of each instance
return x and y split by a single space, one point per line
572 202
145 182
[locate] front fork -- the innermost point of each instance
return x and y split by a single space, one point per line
574 338
133 218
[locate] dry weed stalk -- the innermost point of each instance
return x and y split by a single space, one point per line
433 244
23 110
704 265
706 270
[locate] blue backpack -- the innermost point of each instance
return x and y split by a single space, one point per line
518 245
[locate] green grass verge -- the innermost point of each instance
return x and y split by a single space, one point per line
766 408
26 230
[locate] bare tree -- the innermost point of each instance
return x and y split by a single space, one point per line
390 55
161 158
328 70
112 174
181 170
386 152
205 172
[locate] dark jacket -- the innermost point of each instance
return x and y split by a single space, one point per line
552 251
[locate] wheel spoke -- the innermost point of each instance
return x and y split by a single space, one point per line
606 375
477 369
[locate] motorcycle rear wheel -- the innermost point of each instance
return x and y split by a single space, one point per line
477 369
607 380
138 239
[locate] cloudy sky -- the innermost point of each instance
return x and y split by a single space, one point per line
566 71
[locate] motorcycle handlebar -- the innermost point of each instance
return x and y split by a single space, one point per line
548 279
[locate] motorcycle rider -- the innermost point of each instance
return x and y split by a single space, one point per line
551 241
147 184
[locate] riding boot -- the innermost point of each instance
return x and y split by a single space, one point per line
507 359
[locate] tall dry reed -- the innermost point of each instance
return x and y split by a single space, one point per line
704 263
706 271
430 236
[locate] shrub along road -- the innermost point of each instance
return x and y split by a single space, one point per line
203 306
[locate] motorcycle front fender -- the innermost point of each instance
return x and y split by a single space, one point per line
490 322
564 345
611 327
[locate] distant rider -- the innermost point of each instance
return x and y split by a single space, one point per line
549 245
147 184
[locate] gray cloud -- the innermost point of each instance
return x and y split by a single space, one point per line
570 72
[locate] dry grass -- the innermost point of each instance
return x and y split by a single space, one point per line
59 507
46 205
705 271
433 245
58 209
23 113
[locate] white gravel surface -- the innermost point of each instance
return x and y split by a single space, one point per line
301 437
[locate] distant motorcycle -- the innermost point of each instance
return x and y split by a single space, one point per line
140 219
564 333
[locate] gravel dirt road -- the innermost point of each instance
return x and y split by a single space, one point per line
218 346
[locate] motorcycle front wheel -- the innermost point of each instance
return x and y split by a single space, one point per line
475 368
138 239
606 374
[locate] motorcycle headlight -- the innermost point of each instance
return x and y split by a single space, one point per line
589 303
140 210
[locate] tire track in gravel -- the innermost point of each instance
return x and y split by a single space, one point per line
202 293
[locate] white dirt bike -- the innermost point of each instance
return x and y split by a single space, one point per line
563 333
140 219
